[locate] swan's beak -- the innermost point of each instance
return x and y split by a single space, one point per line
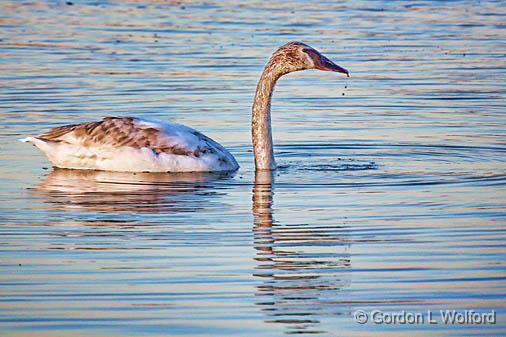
325 64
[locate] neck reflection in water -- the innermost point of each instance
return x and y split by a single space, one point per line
304 267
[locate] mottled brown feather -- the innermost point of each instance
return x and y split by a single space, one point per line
121 131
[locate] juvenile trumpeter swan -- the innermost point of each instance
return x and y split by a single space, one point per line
131 144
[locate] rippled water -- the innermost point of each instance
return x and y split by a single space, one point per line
390 195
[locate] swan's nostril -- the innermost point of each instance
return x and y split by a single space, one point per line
323 63
327 65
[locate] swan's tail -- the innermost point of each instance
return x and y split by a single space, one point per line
44 145
27 140
40 143
51 149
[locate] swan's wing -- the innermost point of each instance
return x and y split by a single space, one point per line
117 132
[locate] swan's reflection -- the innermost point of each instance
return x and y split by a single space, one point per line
100 191
304 267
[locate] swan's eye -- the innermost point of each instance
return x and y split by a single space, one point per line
312 53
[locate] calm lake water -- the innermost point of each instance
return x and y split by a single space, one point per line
390 196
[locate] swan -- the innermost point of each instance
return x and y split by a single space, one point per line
132 144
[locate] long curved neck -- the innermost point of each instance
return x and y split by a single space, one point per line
261 118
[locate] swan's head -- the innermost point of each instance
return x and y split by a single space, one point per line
295 56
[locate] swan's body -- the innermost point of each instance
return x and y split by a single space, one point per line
128 144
